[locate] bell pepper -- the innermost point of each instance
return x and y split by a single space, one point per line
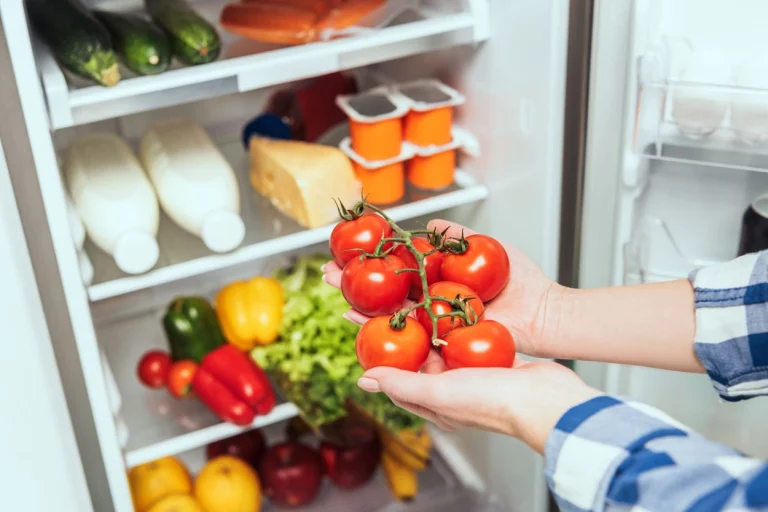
251 312
233 386
192 329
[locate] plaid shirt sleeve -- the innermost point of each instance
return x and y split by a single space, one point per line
732 325
612 455
609 454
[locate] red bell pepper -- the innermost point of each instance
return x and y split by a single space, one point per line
233 386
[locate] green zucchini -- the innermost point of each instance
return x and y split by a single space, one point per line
193 39
143 47
78 41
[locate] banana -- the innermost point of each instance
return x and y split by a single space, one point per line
403 481
418 441
405 457
397 449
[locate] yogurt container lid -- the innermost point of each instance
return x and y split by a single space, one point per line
406 153
428 94
373 106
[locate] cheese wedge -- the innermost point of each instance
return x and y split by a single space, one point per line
302 179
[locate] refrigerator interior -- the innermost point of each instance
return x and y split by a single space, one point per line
693 161
507 58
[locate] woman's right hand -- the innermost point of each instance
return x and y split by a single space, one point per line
528 306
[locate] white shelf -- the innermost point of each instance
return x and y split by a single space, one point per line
158 424
204 436
440 488
246 65
268 232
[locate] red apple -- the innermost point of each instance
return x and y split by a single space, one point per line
291 474
248 446
350 467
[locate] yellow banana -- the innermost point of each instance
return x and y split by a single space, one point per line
417 441
396 448
403 481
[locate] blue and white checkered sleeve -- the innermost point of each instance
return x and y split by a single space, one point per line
613 455
731 340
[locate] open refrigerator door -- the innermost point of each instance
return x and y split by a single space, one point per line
671 175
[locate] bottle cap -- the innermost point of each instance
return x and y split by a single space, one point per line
136 252
222 231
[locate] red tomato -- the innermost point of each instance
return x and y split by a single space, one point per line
448 290
372 287
180 378
431 265
378 344
153 368
484 267
363 233
486 344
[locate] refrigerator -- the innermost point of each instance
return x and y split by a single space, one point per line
613 141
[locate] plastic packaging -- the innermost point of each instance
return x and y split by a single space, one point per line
196 186
383 180
294 22
375 123
433 168
114 199
430 117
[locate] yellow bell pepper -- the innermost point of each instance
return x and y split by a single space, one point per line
250 312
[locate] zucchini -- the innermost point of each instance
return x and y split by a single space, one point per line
143 47
78 41
193 39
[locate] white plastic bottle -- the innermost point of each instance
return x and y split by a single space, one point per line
115 200
77 229
195 184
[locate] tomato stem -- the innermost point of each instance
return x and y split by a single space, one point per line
460 307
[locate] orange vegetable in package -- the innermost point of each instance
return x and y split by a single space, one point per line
250 312
293 22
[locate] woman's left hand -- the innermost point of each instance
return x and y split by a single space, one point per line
524 402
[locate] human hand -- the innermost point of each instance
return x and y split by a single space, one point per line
527 306
524 402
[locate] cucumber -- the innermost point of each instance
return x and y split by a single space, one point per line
193 39
143 47
78 41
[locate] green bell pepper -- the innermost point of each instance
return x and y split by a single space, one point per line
192 328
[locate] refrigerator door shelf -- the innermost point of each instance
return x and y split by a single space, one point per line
726 126
653 255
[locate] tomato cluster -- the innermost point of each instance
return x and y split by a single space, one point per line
383 266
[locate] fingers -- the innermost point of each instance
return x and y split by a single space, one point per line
414 388
356 317
454 229
434 363
428 415
332 274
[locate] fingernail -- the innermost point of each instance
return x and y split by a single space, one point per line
369 385
323 267
325 278
346 316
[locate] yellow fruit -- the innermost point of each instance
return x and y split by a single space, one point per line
227 484
418 441
177 503
403 481
155 480
406 453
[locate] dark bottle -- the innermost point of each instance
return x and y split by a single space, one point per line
754 227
